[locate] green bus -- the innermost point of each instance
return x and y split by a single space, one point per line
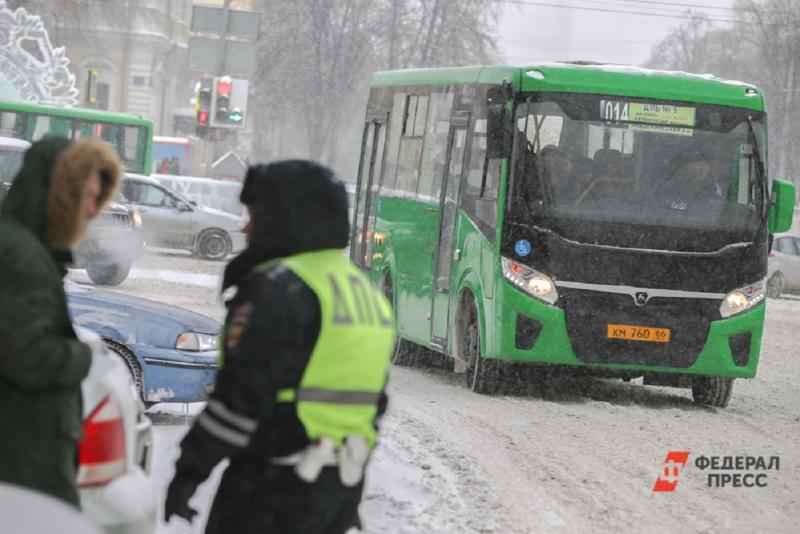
131 136
572 214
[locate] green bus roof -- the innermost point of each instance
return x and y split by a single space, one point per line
75 113
612 80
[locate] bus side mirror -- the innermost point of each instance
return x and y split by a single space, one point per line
498 124
781 209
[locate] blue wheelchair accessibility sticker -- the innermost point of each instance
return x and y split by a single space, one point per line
522 248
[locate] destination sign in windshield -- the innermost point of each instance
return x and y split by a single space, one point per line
650 116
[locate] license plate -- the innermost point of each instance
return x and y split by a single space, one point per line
639 333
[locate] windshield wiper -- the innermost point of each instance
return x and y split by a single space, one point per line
761 172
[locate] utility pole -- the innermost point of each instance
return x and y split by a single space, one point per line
226 12
210 155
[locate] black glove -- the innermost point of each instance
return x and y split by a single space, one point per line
179 492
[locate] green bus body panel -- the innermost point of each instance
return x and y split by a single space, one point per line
494 74
553 344
410 230
76 113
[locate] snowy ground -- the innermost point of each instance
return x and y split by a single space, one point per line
562 455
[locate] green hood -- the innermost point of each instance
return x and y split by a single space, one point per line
27 199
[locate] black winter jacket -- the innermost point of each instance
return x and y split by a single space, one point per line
42 363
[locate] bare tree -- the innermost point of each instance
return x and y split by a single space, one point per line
316 57
686 47
761 47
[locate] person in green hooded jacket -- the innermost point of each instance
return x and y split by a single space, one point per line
60 187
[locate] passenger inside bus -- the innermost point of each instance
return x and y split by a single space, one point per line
612 176
690 175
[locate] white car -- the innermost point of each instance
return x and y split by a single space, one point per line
170 220
11 153
115 451
25 511
783 271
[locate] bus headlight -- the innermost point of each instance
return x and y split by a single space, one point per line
530 281
743 298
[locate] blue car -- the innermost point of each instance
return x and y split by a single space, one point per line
170 352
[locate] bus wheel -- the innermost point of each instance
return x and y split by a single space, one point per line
482 373
406 353
712 390
775 285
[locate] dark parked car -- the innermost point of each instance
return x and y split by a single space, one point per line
113 240
171 353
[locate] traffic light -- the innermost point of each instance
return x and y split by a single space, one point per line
229 103
236 116
223 99
91 87
202 107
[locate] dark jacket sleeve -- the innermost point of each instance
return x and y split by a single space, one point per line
37 346
272 319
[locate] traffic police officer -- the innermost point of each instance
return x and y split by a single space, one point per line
306 350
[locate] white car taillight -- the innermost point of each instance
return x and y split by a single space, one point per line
101 451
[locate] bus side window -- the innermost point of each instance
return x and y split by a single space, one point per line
411 145
396 121
82 129
479 195
108 133
130 147
10 124
435 146
41 127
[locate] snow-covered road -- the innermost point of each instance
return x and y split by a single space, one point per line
561 455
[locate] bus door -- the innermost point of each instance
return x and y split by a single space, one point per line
448 209
367 192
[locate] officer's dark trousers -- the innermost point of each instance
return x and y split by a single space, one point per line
272 499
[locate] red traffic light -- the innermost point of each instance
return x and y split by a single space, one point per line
202 117
224 86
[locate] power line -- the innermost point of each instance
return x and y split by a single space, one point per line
678 4
607 10
655 3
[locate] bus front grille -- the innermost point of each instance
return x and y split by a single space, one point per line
589 313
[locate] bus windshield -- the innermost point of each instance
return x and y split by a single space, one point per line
631 172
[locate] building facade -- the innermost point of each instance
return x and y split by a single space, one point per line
126 55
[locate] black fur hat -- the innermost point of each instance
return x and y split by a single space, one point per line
297 206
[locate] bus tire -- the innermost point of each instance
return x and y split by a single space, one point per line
775 285
406 353
712 390
483 374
